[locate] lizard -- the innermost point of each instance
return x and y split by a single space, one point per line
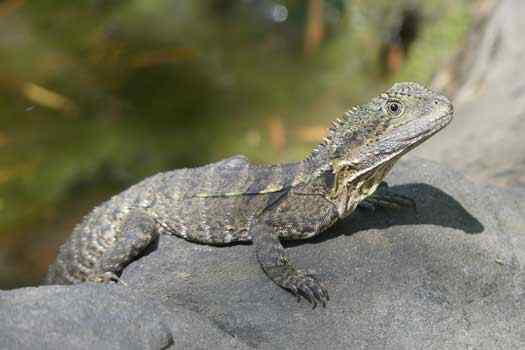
234 200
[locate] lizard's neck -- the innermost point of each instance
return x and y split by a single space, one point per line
318 160
317 168
334 149
343 141
340 180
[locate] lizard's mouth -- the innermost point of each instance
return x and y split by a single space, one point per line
407 137
417 131
429 128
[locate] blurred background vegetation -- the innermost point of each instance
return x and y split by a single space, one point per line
97 94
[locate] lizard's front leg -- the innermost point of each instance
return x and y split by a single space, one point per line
277 266
384 197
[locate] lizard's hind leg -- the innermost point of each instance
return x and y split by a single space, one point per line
136 234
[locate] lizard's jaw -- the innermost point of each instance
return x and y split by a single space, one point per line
428 129
412 134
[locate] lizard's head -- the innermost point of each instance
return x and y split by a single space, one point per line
389 125
362 147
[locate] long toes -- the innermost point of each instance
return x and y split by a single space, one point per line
389 203
115 278
410 203
326 295
295 292
324 291
403 200
106 277
318 289
382 186
318 294
406 202
367 205
393 201
307 286
308 295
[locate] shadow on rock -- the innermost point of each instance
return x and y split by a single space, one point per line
434 207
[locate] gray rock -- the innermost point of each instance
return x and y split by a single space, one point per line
93 316
485 141
449 276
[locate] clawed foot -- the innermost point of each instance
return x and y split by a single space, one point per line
385 198
105 277
301 284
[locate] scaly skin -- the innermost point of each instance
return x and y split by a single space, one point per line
235 201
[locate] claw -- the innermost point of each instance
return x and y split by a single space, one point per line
318 293
324 293
316 288
309 295
106 277
302 285
367 205
117 279
314 291
327 296
295 292
319 297
386 199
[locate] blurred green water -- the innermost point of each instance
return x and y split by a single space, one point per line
95 95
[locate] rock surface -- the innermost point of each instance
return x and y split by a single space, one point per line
450 275
485 141
93 316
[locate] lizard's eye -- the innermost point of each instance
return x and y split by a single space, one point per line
394 108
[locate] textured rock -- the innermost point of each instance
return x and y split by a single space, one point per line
485 141
449 276
101 317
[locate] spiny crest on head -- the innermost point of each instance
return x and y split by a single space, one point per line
352 118
335 126
409 89
340 122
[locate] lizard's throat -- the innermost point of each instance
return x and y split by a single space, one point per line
349 190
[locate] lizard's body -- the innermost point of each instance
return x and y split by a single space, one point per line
233 200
